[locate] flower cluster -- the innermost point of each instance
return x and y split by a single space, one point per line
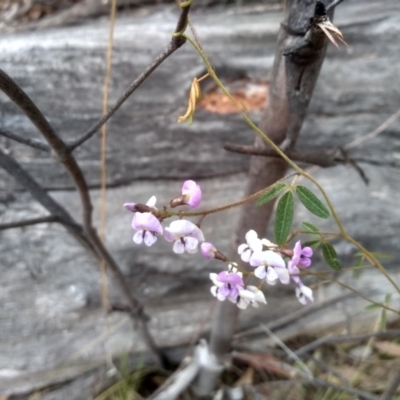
265 257
229 285
184 234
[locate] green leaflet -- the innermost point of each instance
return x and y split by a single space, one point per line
330 256
284 217
312 202
306 226
311 243
271 193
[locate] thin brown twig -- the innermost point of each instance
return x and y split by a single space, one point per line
329 369
294 316
306 378
348 389
392 386
346 338
333 5
60 149
348 160
103 161
375 132
176 42
320 158
35 143
14 169
28 222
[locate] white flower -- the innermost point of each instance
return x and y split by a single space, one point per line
250 295
304 294
185 235
270 266
253 244
267 243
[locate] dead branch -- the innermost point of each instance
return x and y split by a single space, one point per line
28 222
14 169
60 149
35 143
176 42
63 153
333 5
391 389
346 338
323 159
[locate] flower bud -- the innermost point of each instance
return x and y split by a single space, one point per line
209 251
191 195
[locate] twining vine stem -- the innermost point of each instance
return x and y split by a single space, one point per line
369 256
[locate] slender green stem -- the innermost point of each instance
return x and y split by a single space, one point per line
166 214
369 256
363 296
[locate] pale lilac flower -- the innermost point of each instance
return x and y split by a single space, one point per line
251 295
270 266
185 235
150 203
301 256
147 227
191 193
208 250
253 244
304 293
226 285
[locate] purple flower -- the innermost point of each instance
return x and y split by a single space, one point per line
270 266
227 285
147 227
191 193
253 244
301 256
150 203
185 235
210 251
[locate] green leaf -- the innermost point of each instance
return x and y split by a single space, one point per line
311 243
388 298
271 193
357 268
306 226
330 256
383 325
284 217
360 261
372 307
312 202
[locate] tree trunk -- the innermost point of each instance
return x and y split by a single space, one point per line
296 68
